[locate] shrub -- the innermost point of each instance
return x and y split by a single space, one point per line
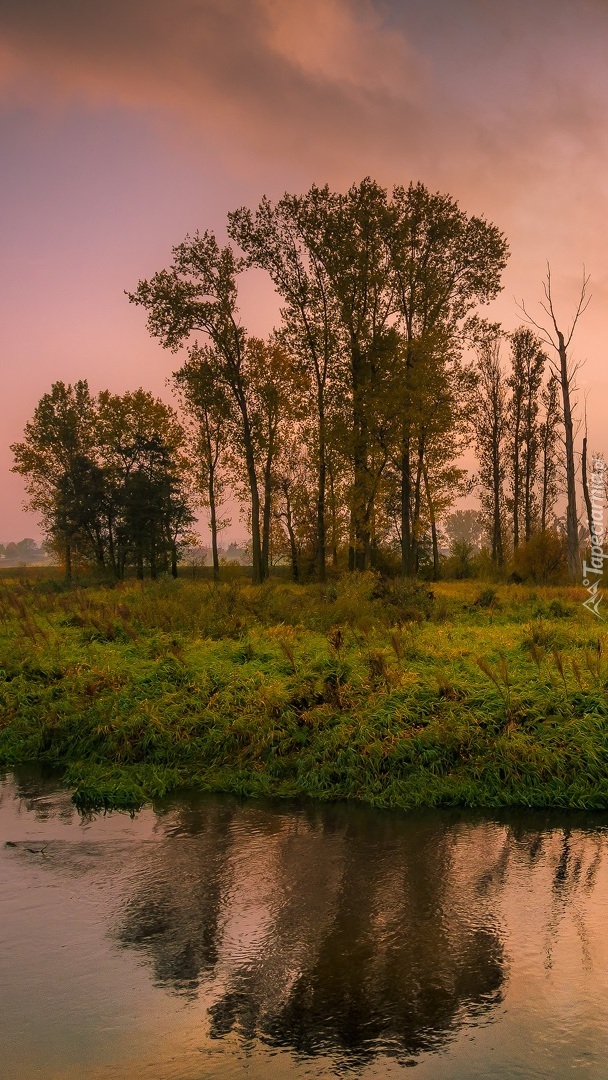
411 600
542 559
486 599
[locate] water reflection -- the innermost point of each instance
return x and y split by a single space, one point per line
336 934
332 932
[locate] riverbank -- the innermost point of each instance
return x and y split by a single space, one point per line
455 694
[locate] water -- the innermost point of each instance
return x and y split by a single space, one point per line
219 938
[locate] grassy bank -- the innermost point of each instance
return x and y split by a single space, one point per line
355 690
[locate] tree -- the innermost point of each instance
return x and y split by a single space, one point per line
525 381
347 235
107 476
276 239
199 294
490 425
295 506
445 264
565 370
377 291
155 512
140 447
56 459
206 401
465 526
274 389
549 440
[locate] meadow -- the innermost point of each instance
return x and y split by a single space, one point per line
392 693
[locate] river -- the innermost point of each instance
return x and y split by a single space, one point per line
213 937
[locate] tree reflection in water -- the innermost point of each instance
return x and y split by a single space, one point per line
335 931
332 931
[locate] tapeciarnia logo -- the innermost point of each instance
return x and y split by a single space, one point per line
593 571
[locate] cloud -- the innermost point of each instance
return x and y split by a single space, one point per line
291 78
502 104
475 93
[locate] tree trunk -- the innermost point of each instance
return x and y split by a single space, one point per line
68 562
257 567
406 494
497 544
571 514
351 542
213 523
360 478
414 557
256 546
516 477
266 509
321 541
121 561
334 517
531 467
433 521
173 561
587 496
528 497
111 549
293 547
544 498
360 441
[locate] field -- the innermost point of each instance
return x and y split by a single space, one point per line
397 695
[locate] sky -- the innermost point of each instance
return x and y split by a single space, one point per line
127 124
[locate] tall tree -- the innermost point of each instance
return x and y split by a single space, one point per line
525 381
275 391
445 264
198 294
276 239
549 440
490 425
347 235
107 475
560 340
206 401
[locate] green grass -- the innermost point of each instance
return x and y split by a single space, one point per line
355 690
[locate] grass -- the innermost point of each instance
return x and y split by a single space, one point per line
357 690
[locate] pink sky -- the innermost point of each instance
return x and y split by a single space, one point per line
125 125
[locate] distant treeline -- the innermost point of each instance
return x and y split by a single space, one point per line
22 552
341 433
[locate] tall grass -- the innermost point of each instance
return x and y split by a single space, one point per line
354 690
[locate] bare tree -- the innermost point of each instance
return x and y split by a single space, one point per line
560 341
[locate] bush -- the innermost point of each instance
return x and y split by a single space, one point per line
461 561
542 559
486 599
411 600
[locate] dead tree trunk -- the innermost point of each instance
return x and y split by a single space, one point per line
566 372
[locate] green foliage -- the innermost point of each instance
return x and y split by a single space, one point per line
306 690
325 691
106 475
